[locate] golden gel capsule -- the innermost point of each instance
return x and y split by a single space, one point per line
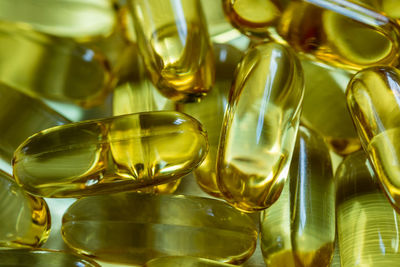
260 127
210 112
40 258
325 109
174 42
133 228
24 219
299 229
372 98
122 153
45 66
368 227
338 32
20 117
79 19
174 261
137 94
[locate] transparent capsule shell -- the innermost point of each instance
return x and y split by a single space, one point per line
260 127
372 98
368 227
173 261
176 49
299 229
24 219
122 153
133 228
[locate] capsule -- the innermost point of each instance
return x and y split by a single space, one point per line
260 127
338 32
21 116
117 154
54 68
372 98
174 261
133 228
210 112
299 229
24 219
41 257
368 227
137 94
325 109
174 42
76 19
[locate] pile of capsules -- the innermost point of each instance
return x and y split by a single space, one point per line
286 112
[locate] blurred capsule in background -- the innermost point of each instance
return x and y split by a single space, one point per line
136 93
210 112
24 219
79 19
116 154
260 127
373 98
20 117
173 40
324 106
174 261
56 68
338 32
40 258
299 229
133 228
368 227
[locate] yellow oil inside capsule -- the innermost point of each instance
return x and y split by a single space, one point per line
325 109
133 228
368 227
122 153
210 112
137 94
260 127
29 116
81 19
299 229
340 33
45 66
41 257
24 219
174 261
372 97
176 49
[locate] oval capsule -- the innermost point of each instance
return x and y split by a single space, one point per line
133 228
45 66
121 153
80 19
299 229
260 127
20 117
368 227
210 112
174 42
174 261
24 219
325 109
343 33
372 98
42 257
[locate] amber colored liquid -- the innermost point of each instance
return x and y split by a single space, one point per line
385 152
185 261
134 228
184 68
24 219
55 68
41 257
117 154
